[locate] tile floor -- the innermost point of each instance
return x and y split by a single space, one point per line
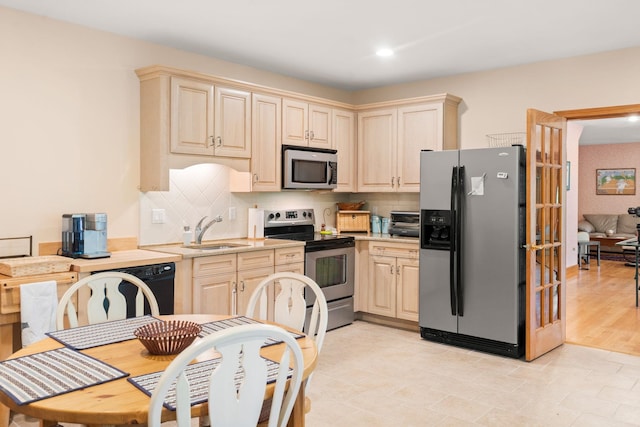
370 375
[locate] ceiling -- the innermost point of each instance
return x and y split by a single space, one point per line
333 42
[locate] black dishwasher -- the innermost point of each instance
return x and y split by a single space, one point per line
159 277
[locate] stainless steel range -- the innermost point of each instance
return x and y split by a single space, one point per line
329 259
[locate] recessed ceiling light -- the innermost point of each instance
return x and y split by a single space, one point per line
384 52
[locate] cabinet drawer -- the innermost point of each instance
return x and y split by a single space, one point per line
289 255
207 265
400 250
255 259
10 288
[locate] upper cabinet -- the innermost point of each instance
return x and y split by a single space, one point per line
209 120
390 140
266 155
344 140
306 124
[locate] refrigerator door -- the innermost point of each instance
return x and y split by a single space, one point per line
435 194
491 243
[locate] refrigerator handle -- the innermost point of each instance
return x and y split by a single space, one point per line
452 242
462 194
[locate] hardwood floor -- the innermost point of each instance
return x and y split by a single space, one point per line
601 308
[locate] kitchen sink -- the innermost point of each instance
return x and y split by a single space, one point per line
216 246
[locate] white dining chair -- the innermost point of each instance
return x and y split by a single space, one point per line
106 301
288 307
233 402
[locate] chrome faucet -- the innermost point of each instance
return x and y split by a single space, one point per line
200 230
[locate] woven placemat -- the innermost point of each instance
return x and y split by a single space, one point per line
198 375
98 334
38 376
219 325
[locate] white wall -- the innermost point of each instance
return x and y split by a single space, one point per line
69 127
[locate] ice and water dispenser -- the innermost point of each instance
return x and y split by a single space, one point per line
436 229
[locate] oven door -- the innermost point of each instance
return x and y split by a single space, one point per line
333 270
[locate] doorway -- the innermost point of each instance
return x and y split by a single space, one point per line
599 278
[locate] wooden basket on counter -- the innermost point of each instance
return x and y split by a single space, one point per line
32 266
350 206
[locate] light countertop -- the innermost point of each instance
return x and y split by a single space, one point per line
123 259
246 245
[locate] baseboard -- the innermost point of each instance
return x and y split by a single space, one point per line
388 321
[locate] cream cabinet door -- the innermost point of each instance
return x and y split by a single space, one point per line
382 286
419 128
319 126
377 150
407 290
191 119
213 294
232 123
295 125
266 158
344 140
248 280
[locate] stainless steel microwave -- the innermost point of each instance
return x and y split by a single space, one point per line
309 168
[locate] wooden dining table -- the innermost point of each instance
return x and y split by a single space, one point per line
118 402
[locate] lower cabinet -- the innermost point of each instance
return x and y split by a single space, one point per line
223 284
393 280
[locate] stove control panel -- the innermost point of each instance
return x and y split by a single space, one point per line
287 217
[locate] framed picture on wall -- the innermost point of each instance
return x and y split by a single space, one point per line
616 181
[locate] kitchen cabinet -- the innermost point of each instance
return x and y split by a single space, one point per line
266 157
222 284
187 119
390 140
306 124
290 260
393 280
209 120
344 140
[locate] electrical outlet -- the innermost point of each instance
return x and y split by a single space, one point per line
232 213
157 216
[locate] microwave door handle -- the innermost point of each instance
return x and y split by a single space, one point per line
332 166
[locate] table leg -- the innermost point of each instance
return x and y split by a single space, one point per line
297 415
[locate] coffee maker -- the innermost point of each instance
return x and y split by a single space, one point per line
84 235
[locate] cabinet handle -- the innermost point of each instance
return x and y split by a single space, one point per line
211 138
392 180
255 178
398 181
312 136
397 271
234 298
219 140
242 286
391 269
306 135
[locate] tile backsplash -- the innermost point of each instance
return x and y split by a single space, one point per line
203 190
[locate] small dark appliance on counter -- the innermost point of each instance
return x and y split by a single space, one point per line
84 235
406 224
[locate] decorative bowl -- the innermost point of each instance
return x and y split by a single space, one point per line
609 233
350 206
170 337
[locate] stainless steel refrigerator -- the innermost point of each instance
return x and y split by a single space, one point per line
472 256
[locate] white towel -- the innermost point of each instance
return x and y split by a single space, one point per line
38 302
